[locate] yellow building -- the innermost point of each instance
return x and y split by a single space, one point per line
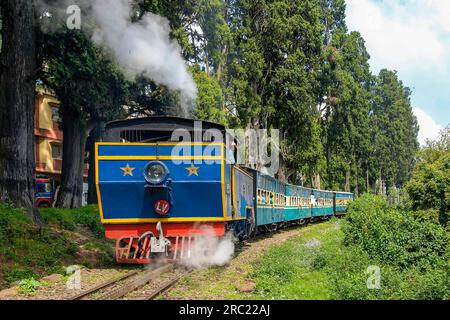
48 136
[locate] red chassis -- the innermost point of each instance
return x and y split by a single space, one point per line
180 235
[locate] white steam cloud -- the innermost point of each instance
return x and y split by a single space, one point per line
144 47
209 250
141 48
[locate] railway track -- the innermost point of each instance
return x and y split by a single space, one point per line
135 285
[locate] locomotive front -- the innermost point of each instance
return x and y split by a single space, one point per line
156 191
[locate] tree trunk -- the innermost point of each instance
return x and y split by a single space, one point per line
316 181
71 192
95 135
17 93
367 181
347 181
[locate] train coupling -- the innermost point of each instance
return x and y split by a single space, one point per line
159 244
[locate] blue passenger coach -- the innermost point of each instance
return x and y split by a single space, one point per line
322 204
341 201
298 203
270 197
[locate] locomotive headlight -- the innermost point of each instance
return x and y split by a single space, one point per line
155 172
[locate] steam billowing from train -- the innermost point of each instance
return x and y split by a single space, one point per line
140 48
209 250
143 47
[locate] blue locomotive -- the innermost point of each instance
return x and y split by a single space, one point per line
158 188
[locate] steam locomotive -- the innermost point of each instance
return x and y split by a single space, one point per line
157 192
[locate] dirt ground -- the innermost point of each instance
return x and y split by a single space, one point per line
59 287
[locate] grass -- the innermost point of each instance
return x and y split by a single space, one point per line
29 252
69 219
295 269
276 273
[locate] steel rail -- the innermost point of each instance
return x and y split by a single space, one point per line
134 284
102 286
162 288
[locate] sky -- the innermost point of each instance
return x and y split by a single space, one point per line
412 37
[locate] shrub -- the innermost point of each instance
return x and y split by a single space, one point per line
348 275
394 237
411 251
429 187
29 286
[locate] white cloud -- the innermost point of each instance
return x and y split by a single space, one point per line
412 37
402 35
429 129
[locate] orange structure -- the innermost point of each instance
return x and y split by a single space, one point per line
48 136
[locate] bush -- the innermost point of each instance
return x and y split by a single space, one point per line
394 237
412 254
29 286
338 266
429 187
348 273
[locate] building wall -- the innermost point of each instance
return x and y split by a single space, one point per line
47 135
46 103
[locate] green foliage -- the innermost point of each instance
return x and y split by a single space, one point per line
395 138
13 223
88 84
272 64
210 103
27 250
429 187
68 219
393 237
15 272
263 64
332 262
29 286
348 275
346 84
272 75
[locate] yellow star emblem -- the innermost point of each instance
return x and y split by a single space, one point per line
192 170
127 170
